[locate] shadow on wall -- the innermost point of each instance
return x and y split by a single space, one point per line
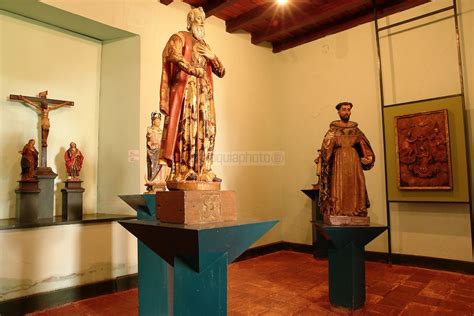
62 176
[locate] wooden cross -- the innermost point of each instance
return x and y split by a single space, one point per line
42 105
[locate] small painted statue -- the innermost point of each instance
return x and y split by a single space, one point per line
29 160
74 159
154 179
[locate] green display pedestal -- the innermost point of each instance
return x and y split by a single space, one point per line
153 294
320 244
346 256
200 255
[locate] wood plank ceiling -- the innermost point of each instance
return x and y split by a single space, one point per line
298 21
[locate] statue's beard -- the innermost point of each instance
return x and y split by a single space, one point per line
345 118
198 32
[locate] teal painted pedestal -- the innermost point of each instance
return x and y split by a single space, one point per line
200 255
152 270
346 256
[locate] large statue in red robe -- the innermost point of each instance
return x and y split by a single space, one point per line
186 98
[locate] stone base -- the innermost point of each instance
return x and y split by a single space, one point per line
29 185
27 201
193 185
46 197
73 184
195 207
72 200
346 220
45 171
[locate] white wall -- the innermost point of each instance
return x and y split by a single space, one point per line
49 258
247 116
247 120
35 58
266 102
419 61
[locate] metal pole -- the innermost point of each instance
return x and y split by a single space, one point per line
382 104
466 128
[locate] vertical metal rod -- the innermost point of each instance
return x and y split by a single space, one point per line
382 104
466 128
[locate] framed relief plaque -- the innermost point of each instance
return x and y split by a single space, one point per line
423 151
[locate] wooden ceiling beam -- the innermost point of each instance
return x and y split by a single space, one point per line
259 13
216 6
340 26
319 13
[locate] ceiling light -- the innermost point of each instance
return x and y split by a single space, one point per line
281 2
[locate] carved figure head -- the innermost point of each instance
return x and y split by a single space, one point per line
155 118
195 23
344 110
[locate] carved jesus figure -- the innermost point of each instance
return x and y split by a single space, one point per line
43 108
345 153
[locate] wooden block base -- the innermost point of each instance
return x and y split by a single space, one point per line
346 220
193 185
195 207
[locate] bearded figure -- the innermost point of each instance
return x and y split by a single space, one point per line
345 154
186 99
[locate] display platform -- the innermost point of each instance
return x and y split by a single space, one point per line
72 200
346 256
199 255
320 244
153 280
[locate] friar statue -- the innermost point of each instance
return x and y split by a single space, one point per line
187 101
345 153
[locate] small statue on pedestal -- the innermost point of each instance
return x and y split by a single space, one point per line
345 153
155 180
29 160
72 192
73 159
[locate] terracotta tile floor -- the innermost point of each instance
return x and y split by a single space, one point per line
291 283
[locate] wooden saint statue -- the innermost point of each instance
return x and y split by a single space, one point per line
73 159
187 100
345 154
29 160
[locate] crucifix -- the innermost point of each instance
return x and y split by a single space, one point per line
42 105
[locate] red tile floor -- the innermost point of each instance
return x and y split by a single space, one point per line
291 283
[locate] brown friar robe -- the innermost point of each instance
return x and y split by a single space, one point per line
342 190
